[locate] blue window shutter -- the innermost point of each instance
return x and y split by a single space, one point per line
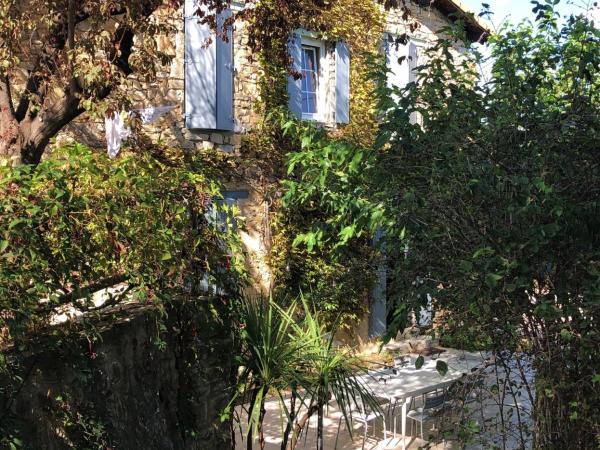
378 307
413 62
294 86
342 83
208 74
225 69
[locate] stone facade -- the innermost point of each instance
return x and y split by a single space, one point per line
125 391
169 90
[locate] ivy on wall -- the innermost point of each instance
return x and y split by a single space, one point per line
338 283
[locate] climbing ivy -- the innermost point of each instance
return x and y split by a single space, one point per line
81 235
339 285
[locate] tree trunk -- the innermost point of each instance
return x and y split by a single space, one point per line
320 443
300 426
290 424
9 127
261 431
24 142
250 434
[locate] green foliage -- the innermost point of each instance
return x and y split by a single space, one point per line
268 357
78 224
292 350
339 285
80 432
81 234
487 192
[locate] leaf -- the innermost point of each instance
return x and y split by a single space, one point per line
492 279
347 233
441 367
14 223
484 251
465 266
166 256
3 246
419 362
402 233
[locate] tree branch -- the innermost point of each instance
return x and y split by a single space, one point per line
92 288
6 103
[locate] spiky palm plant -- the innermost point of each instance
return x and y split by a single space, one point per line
286 350
325 373
268 360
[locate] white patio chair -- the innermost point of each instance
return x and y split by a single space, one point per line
432 405
363 415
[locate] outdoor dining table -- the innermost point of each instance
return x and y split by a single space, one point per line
409 382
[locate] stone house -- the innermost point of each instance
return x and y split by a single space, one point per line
213 86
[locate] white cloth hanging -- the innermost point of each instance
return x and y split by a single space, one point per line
150 115
117 131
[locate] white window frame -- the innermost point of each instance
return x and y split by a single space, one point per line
322 78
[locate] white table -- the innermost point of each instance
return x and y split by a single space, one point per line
410 382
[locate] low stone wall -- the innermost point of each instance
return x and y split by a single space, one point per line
140 388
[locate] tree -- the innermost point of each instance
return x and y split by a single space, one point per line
287 350
60 58
489 203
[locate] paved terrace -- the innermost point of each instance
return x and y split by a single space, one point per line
487 412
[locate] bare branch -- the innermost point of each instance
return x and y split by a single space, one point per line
92 288
6 103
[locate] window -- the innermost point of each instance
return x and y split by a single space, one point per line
310 79
322 92
313 89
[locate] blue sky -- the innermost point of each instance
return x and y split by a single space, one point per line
516 10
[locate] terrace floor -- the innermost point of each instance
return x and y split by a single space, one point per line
488 413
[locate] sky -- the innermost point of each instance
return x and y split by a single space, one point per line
516 10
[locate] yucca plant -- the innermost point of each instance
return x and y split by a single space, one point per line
291 351
268 360
325 373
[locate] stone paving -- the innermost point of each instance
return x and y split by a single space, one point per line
486 414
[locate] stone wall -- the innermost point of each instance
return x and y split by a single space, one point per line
169 90
125 392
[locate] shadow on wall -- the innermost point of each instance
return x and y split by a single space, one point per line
126 392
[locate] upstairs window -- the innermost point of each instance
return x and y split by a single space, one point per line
310 80
322 92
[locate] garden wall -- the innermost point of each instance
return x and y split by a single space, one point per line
127 392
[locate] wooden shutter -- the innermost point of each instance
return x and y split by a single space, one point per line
342 83
208 73
398 77
413 62
378 306
225 71
294 86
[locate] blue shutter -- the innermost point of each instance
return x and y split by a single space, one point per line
378 307
413 62
225 70
342 83
294 86
208 74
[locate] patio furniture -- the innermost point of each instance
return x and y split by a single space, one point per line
363 415
432 406
399 389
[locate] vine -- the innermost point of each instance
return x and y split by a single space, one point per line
338 283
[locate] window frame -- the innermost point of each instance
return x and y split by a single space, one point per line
322 77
